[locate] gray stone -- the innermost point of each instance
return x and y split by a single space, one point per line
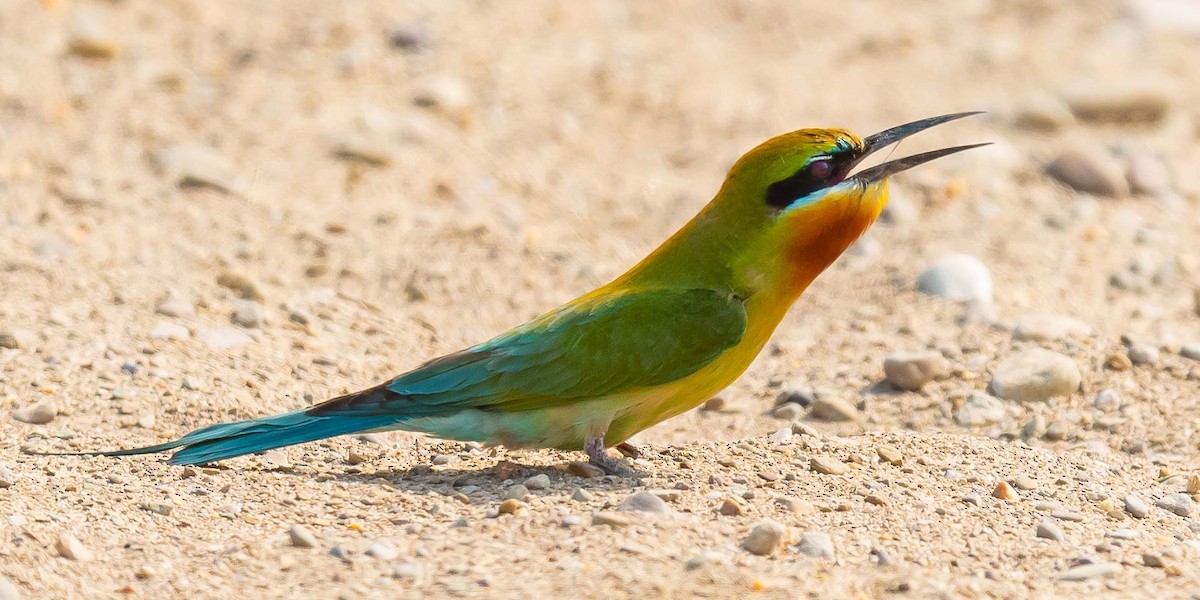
540 481
39 414
1136 507
382 551
1178 503
71 548
765 538
788 412
1191 351
1089 170
979 409
1050 530
1035 375
248 313
912 370
833 409
1107 400
301 537
1143 354
644 501
516 492
816 544
957 277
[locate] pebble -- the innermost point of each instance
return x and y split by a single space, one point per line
166 330
509 507
572 521
803 398
1154 561
1136 507
765 538
9 341
714 404
1035 375
406 570
979 409
611 519
340 552
581 495
540 481
241 284
912 370
301 537
220 338
1040 328
248 314
1107 400
730 508
957 277
190 164
175 307
443 459
444 93
1089 170
383 551
7 478
1143 355
70 547
1050 530
516 492
8 589
890 455
1111 104
1191 351
833 409
1004 491
816 544
584 469
1090 571
788 412
411 38
1044 113
644 501
828 466
91 36
1178 503
38 414
1057 431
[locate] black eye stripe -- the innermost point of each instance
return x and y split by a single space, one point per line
802 183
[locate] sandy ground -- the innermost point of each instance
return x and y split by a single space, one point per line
219 210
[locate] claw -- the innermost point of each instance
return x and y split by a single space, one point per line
599 457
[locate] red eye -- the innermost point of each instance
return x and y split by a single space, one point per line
820 169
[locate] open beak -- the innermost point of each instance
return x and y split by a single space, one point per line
887 137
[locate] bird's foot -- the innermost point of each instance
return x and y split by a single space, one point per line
598 456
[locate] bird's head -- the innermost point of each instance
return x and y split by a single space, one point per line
799 203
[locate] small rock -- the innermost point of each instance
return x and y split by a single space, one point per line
797 506
509 507
730 508
979 409
1178 503
382 551
189 165
158 508
166 330
816 544
1118 362
611 519
411 38
443 459
714 404
1038 328
581 495
1193 482
1004 491
1025 483
1089 170
1107 400
1035 428
91 36
175 307
1090 571
1191 351
584 469
1154 561
9 341
241 284
828 466
301 537
1057 431
644 501
765 538
248 314
1035 375
1143 355
803 398
832 409
957 277
447 94
1110 104
71 548
7 478
221 338
1050 530
39 414
911 371
516 492
788 412
890 455
1136 507
540 481
340 552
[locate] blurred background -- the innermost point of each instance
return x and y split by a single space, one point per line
216 210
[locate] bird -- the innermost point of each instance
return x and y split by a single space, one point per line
678 327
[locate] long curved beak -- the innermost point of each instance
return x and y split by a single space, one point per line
887 137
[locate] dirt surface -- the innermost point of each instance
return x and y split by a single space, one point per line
218 210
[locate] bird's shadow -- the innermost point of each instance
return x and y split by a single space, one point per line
490 481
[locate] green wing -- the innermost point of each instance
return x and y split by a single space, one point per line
588 348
